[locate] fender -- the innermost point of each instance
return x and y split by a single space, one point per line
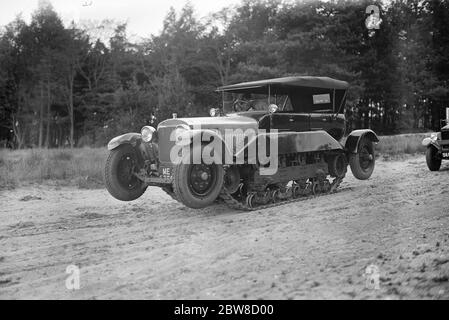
131 138
353 140
427 142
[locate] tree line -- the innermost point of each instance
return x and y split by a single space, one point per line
75 85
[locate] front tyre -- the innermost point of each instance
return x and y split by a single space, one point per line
197 185
432 158
119 176
362 163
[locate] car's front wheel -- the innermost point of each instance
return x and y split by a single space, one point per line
432 158
119 175
197 185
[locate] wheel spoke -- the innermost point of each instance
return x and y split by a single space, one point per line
126 169
366 158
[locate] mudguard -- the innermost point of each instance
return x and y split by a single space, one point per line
352 142
131 138
429 141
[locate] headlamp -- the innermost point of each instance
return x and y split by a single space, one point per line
147 133
272 108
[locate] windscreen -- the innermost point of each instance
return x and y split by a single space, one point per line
242 102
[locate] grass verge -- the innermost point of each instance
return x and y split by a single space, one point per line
82 167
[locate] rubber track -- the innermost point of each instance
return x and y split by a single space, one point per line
233 203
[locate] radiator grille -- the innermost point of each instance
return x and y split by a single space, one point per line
445 135
165 145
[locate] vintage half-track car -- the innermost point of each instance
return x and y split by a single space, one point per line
297 123
437 148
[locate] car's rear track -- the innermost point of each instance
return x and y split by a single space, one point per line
238 204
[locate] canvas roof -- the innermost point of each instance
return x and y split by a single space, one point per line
288 83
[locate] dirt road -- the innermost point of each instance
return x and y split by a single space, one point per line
156 248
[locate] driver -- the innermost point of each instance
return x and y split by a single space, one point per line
244 103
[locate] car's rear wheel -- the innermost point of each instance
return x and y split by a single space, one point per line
338 165
432 158
119 176
197 185
362 163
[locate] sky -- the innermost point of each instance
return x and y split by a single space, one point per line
144 17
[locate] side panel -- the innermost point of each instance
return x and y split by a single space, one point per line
293 142
306 142
335 126
352 142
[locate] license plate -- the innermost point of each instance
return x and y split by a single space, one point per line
446 154
166 173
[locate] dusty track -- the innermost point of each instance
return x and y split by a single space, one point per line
155 248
